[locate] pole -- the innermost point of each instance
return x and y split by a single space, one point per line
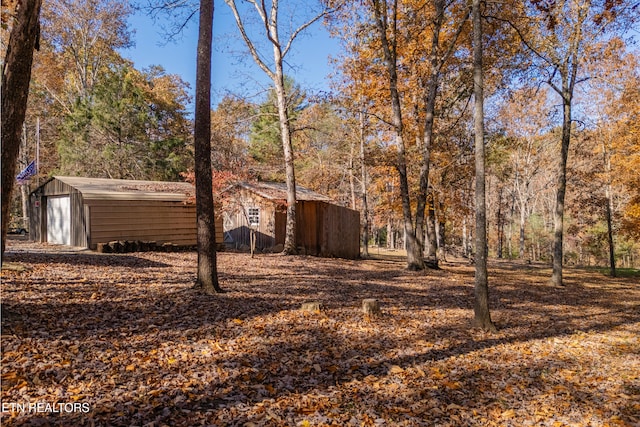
37 151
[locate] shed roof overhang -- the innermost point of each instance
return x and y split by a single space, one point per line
124 189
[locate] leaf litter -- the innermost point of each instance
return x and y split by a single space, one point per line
128 336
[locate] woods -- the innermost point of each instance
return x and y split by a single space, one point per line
486 155
102 117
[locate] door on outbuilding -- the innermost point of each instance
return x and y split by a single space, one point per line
59 220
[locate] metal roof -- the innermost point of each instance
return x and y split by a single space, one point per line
125 189
278 191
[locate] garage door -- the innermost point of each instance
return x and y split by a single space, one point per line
59 220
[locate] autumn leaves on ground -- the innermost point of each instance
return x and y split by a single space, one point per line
127 338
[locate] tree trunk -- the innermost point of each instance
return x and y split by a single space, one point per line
207 277
365 205
16 76
415 257
522 225
352 178
499 224
609 211
465 245
432 241
612 255
441 252
290 246
430 98
510 229
482 316
561 188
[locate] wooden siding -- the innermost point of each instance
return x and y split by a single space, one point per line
162 222
328 230
79 226
322 228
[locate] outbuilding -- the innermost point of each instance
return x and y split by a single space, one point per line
323 228
84 212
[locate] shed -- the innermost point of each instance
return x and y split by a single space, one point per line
323 228
83 212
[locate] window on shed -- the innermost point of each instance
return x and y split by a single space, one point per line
253 215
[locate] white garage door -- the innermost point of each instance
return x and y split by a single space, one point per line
59 220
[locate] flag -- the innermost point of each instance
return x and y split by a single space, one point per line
27 173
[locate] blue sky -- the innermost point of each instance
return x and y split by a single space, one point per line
233 70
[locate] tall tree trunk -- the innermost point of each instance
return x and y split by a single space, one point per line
431 244
500 223
510 228
415 257
464 237
612 255
436 60
290 245
523 220
440 233
609 210
561 189
482 316
16 76
352 177
365 205
207 277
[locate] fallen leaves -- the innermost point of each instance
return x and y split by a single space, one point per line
129 336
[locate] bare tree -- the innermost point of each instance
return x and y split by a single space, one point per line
16 76
268 16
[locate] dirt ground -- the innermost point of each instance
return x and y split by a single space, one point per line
94 339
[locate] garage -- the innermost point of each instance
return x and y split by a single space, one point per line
84 212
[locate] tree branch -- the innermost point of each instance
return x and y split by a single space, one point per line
247 40
302 28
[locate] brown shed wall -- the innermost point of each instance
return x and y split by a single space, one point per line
341 232
322 228
160 221
328 230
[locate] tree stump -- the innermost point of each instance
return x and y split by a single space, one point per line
371 307
311 306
